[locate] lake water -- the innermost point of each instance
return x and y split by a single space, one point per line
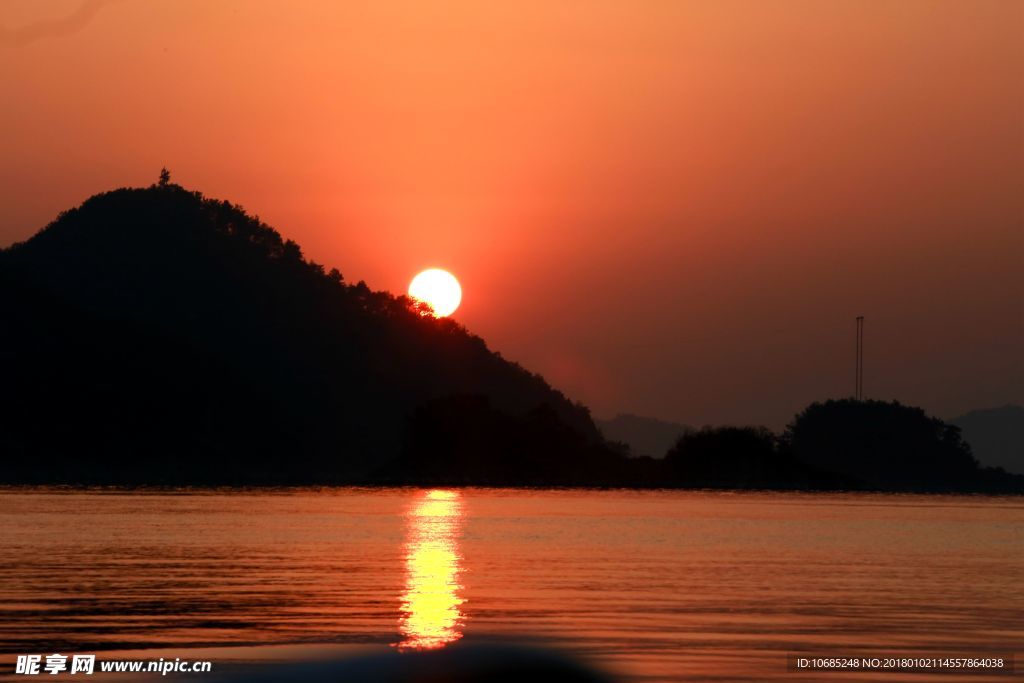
649 585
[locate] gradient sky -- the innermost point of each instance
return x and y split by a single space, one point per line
669 208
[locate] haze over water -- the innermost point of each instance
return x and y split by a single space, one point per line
652 585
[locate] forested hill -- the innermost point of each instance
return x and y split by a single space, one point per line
153 335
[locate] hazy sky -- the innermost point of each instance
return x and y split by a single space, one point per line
669 208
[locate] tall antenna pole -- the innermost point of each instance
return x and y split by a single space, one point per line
858 386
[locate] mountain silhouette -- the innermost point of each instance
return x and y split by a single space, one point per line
645 436
996 436
154 335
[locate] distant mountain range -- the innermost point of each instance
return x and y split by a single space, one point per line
645 436
996 436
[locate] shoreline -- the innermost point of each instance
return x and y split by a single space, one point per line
187 489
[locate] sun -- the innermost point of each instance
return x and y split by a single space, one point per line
438 289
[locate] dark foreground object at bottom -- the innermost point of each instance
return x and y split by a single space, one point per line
456 664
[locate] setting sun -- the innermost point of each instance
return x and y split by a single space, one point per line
438 289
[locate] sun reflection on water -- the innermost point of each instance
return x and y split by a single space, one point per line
430 612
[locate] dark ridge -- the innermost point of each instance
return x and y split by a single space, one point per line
156 335
644 435
996 436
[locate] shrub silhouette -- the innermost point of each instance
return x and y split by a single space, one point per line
740 457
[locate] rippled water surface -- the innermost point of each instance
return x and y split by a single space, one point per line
652 585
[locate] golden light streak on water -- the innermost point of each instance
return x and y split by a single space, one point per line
431 615
666 586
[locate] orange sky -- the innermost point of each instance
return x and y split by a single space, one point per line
665 207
